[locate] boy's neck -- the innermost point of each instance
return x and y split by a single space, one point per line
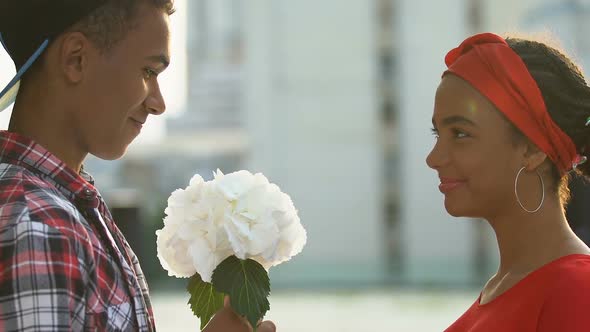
46 125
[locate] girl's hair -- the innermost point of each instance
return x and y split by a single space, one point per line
566 96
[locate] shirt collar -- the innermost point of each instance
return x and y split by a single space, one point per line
21 151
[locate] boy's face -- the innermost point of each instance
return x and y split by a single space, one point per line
120 87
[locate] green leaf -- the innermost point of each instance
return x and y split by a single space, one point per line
205 301
247 284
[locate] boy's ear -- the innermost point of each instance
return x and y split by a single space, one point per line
74 51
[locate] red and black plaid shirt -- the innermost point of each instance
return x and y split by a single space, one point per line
64 264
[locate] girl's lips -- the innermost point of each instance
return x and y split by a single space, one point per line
447 185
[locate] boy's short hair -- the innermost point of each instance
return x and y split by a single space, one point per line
109 23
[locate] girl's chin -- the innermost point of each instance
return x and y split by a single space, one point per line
460 210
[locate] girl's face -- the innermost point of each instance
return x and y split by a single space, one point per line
475 154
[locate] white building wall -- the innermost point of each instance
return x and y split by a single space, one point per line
312 120
437 247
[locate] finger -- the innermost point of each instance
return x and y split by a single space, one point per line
227 305
266 326
243 319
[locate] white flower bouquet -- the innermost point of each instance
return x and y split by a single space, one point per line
225 234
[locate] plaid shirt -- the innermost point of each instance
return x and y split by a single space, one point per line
64 264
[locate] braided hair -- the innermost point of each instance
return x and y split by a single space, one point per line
566 95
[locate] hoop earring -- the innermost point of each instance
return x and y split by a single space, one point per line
518 198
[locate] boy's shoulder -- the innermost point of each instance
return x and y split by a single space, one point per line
27 195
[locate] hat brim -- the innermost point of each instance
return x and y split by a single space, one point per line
9 93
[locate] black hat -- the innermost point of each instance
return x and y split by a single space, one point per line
28 26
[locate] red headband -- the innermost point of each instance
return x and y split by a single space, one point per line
496 71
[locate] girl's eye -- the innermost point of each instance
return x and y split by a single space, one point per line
434 132
459 134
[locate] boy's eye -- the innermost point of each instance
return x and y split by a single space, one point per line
149 73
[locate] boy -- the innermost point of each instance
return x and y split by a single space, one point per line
86 83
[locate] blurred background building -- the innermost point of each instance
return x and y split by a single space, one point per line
332 100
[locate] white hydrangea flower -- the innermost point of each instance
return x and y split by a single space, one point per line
239 214
173 252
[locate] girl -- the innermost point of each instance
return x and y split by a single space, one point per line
511 120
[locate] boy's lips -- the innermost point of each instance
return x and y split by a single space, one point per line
137 123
